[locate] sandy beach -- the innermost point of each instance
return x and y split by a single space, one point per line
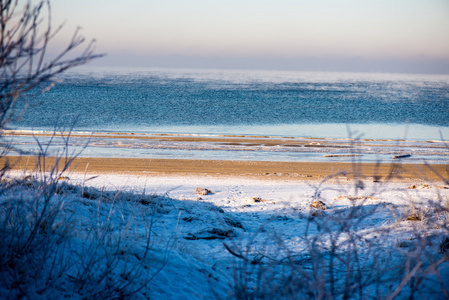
263 207
219 213
251 169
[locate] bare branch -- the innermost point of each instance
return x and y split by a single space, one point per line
24 59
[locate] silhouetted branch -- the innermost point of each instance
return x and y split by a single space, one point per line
24 59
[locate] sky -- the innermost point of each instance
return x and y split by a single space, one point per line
406 36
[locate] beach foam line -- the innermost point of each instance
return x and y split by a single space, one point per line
342 155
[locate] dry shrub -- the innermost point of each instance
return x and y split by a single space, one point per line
344 253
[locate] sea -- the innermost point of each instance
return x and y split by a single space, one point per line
237 115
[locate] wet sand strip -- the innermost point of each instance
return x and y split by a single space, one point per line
253 169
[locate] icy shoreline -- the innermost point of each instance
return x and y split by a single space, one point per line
231 147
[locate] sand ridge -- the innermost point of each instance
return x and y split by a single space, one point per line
236 140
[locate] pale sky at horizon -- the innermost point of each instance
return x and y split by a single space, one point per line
345 35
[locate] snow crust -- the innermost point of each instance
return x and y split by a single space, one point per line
195 238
